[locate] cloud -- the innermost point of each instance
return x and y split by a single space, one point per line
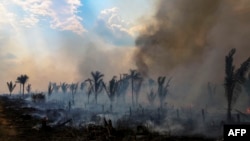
30 21
66 18
6 16
113 29
37 7
61 15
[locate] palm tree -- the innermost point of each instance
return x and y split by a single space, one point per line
64 87
56 87
22 79
11 86
133 75
98 83
90 88
73 87
151 97
247 88
137 87
112 89
162 90
233 80
84 85
122 88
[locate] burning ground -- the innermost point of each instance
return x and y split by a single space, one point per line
24 121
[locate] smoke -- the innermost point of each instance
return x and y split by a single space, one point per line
93 54
188 39
185 31
178 34
66 58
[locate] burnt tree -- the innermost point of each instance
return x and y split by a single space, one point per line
112 89
64 87
162 89
233 80
122 88
133 76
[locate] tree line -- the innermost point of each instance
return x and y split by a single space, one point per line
117 88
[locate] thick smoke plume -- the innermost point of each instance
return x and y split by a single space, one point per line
184 32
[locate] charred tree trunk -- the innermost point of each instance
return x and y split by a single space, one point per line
229 109
95 97
111 108
20 88
88 99
233 80
132 83
203 115
23 89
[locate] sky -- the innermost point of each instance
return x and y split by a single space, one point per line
64 40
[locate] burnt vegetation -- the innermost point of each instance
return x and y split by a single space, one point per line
234 80
128 107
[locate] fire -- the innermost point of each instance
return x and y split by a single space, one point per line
248 110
